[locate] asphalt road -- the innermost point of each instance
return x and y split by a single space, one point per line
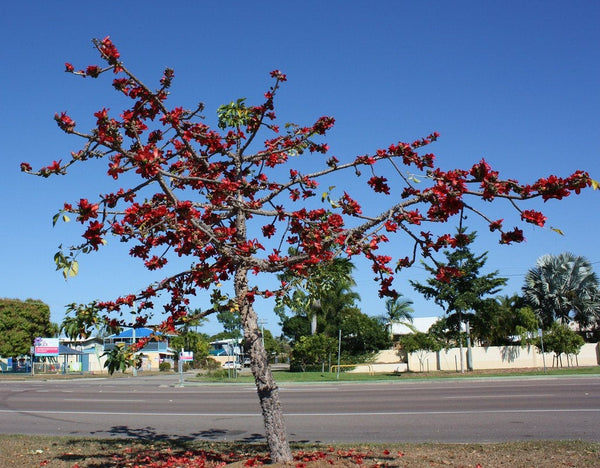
491 410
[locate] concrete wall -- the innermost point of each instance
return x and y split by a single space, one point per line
500 357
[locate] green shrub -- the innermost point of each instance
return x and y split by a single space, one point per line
164 366
218 374
210 364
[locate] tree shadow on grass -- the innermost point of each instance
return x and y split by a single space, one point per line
123 445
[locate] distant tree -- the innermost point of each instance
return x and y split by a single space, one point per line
563 287
274 346
502 321
189 340
445 335
20 323
361 334
319 293
312 350
419 343
560 339
295 327
231 322
465 291
397 310
324 302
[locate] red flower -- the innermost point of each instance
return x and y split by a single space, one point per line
445 274
69 68
93 71
268 230
534 217
516 235
495 225
110 52
277 74
25 167
94 234
54 167
379 185
87 210
64 122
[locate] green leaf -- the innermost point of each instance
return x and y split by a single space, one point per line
558 230
595 184
58 216
74 270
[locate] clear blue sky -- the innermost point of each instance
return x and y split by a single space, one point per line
515 82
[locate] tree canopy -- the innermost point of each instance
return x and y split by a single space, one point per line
504 320
223 199
21 322
560 339
465 291
563 287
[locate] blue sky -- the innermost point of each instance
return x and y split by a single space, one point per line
513 82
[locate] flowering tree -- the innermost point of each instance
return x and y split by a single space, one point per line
222 199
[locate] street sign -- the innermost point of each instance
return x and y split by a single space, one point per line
186 356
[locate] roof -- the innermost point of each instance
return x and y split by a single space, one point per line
62 350
420 324
139 333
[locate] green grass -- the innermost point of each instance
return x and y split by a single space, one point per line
285 376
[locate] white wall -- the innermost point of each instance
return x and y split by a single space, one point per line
501 357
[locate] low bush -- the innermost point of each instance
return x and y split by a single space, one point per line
164 366
209 364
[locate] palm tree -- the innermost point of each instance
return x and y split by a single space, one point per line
319 294
563 288
398 310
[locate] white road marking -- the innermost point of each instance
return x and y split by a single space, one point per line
387 413
109 400
514 395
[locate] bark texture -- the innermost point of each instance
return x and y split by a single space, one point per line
268 392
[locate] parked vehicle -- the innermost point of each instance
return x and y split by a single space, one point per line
232 365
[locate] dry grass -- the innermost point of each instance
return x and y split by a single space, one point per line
61 452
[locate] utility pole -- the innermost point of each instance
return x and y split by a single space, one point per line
469 352
339 352
262 323
460 344
133 344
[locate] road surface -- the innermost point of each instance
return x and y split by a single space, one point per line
491 410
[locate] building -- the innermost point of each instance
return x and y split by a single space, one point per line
154 352
226 350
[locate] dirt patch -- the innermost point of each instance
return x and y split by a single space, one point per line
62 452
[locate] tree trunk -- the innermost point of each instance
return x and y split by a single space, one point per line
268 393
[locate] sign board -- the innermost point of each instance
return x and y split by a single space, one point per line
45 346
186 356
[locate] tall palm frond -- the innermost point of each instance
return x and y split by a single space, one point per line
562 288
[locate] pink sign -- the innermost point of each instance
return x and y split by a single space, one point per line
45 346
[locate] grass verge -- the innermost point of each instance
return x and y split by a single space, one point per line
74 452
286 376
